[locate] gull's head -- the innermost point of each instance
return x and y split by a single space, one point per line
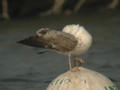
42 31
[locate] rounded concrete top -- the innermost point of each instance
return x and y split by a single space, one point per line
85 79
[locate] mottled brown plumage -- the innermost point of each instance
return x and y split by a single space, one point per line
51 39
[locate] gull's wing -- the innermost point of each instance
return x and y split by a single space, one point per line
51 39
33 41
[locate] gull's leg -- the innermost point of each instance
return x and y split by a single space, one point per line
69 62
75 69
78 61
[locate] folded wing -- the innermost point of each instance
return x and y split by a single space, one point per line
51 39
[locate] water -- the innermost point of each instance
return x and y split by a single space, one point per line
21 68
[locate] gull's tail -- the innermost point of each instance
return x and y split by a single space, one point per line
33 41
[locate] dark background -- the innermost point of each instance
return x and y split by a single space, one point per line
21 8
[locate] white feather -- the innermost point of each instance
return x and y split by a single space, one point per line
83 37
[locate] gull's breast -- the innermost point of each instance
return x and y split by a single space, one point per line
83 37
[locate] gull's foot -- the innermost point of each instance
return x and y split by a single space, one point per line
79 60
75 69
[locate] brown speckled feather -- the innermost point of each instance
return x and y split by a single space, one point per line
51 39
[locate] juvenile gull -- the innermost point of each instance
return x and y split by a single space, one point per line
72 41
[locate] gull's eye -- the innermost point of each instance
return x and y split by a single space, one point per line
43 32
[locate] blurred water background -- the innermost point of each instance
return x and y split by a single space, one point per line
21 68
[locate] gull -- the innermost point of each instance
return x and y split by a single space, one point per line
73 40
